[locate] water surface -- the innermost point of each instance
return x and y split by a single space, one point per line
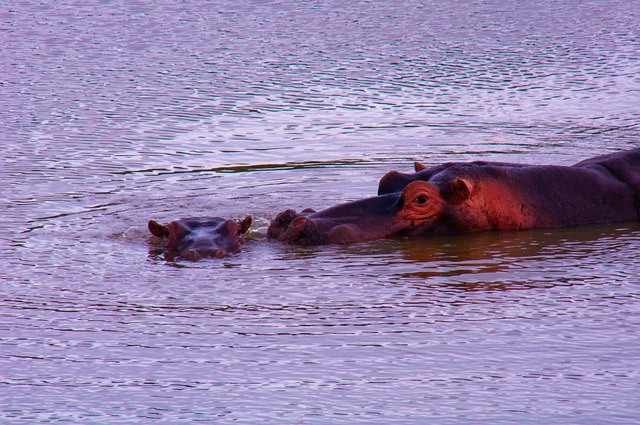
115 113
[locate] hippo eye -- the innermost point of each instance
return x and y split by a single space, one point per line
422 199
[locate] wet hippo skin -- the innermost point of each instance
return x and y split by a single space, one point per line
200 237
464 197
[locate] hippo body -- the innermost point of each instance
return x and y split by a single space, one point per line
200 237
463 197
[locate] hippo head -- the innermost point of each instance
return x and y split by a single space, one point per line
420 207
200 237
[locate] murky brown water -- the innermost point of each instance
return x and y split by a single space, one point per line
114 113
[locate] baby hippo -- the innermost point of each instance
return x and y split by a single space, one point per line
200 237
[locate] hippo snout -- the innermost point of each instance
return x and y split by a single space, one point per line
290 227
280 224
365 219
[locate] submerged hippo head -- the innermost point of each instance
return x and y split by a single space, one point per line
200 237
420 207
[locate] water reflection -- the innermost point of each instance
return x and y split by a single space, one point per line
518 260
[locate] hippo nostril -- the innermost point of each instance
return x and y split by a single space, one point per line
299 222
191 255
284 218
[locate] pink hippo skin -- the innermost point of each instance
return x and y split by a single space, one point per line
200 237
465 197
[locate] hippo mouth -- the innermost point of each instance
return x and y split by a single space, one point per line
345 223
306 229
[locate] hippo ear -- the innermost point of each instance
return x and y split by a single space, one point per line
157 229
419 166
462 188
244 225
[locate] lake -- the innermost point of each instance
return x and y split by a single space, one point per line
113 113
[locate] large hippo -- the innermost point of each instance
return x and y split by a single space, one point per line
200 237
464 197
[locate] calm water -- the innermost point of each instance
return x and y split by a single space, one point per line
116 112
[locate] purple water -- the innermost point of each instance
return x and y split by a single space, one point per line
114 113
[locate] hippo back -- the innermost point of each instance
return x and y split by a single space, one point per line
624 166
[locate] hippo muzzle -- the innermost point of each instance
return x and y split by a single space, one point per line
372 218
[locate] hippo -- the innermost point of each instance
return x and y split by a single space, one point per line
476 196
200 237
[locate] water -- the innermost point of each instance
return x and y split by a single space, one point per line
114 113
